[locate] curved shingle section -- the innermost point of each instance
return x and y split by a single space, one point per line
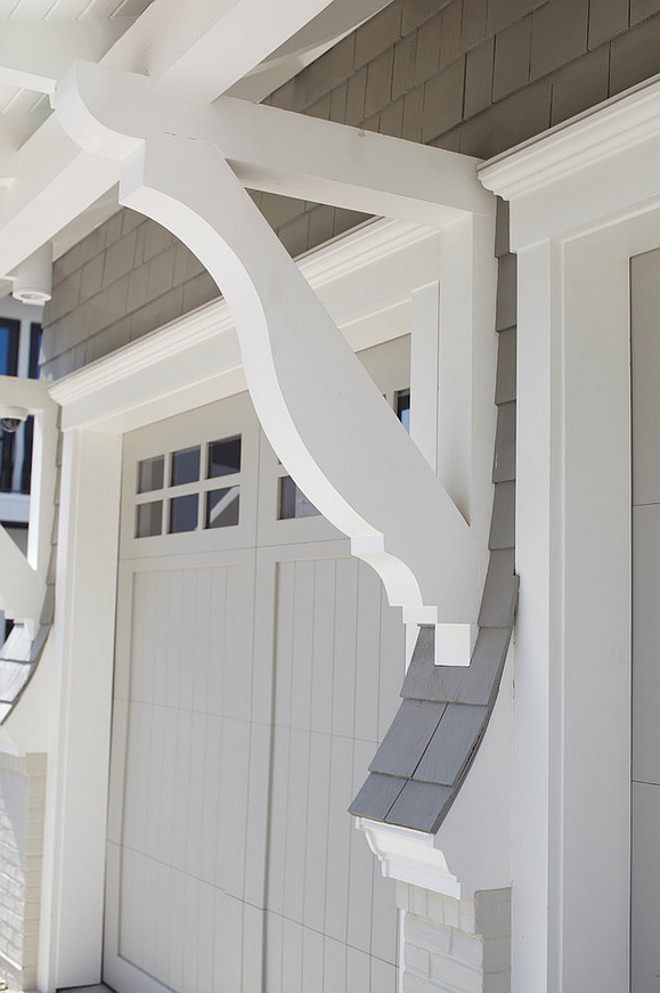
427 752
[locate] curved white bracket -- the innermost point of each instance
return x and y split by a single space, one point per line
23 578
321 411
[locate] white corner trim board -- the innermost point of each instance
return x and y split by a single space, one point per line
348 454
583 201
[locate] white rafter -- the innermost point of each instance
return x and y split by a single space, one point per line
190 48
34 55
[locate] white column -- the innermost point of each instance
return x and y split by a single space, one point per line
571 792
76 801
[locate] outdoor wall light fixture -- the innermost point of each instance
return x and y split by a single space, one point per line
12 417
33 279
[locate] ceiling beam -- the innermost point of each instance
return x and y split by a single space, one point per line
190 47
275 150
57 182
202 49
305 46
35 54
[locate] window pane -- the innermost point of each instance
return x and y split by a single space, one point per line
151 474
222 507
185 466
183 513
149 519
9 332
293 502
224 457
403 408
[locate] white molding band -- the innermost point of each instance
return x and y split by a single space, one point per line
409 856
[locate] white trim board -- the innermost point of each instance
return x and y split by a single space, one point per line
200 350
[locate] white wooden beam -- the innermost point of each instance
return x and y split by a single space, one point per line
56 181
205 47
305 46
35 54
276 150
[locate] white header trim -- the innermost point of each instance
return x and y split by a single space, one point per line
618 124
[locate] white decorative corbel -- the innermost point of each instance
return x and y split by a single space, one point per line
23 577
321 411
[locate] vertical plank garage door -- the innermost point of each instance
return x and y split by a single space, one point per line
257 667
645 904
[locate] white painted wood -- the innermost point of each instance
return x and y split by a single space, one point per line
308 44
646 563
277 150
364 504
35 55
582 203
645 960
23 577
74 852
645 364
646 634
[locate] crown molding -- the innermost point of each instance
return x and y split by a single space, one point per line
409 856
619 124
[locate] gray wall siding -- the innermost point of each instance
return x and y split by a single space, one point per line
475 76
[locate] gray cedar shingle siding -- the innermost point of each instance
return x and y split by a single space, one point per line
424 757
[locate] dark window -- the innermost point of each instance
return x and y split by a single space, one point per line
149 519
222 507
293 502
403 408
183 513
9 332
185 466
151 474
224 457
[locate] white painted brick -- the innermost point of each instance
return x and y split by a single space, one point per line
417 959
453 974
434 937
467 948
416 984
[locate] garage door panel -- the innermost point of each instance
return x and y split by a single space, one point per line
256 665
